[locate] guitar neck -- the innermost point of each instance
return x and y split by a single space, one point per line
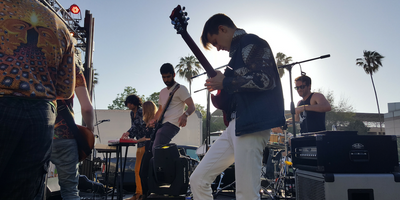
199 55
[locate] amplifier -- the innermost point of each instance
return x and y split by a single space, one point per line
330 186
341 153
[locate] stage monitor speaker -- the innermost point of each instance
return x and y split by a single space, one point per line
328 186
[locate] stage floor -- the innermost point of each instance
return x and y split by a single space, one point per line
225 195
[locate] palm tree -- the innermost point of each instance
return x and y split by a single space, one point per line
371 63
188 67
282 59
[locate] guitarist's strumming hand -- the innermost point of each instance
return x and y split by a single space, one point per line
151 123
215 83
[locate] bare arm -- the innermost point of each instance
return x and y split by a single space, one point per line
318 104
156 116
86 106
183 118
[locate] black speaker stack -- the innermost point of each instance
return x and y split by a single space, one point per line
342 165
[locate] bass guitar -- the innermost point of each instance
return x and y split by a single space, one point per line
165 107
84 136
88 139
180 21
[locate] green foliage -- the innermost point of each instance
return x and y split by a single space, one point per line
371 62
119 101
188 67
341 114
216 123
358 126
154 98
282 59
201 109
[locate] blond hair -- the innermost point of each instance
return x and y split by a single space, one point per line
149 111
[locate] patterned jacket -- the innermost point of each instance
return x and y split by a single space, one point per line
253 85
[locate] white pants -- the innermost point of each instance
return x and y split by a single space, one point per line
245 151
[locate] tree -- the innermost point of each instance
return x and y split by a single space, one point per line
358 126
119 102
188 67
154 98
282 59
341 114
371 63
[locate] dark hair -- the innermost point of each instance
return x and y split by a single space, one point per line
304 79
167 68
133 99
211 27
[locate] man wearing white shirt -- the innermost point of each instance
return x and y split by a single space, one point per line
175 116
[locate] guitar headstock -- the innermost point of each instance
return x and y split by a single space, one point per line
179 19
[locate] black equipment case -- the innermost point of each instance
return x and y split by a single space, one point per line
345 152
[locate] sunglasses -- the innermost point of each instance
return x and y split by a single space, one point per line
300 87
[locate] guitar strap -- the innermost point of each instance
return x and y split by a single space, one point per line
153 135
64 110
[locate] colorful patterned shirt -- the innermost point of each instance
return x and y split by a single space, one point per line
36 52
61 129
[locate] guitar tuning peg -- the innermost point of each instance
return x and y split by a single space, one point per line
185 14
172 22
183 8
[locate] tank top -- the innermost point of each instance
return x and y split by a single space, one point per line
311 121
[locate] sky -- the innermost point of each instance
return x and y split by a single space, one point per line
134 38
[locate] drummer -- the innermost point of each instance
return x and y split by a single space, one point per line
310 111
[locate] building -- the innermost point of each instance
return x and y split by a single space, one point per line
392 119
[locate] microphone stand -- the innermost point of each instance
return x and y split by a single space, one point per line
289 68
208 117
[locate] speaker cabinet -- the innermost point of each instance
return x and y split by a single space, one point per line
329 186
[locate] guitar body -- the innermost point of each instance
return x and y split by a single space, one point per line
155 129
158 124
89 138
221 101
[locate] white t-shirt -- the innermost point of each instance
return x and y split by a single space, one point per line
175 108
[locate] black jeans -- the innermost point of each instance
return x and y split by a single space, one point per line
26 135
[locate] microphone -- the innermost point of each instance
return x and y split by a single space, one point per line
325 56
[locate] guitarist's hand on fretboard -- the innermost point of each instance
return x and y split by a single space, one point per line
215 83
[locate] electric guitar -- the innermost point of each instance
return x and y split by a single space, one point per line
161 118
180 21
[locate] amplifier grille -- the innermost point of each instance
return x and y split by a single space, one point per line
309 188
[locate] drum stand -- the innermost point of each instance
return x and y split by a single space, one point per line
219 189
278 186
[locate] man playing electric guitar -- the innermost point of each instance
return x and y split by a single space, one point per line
255 106
175 116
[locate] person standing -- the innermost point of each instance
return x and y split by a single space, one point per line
36 68
175 116
311 109
149 110
134 103
254 106
64 153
